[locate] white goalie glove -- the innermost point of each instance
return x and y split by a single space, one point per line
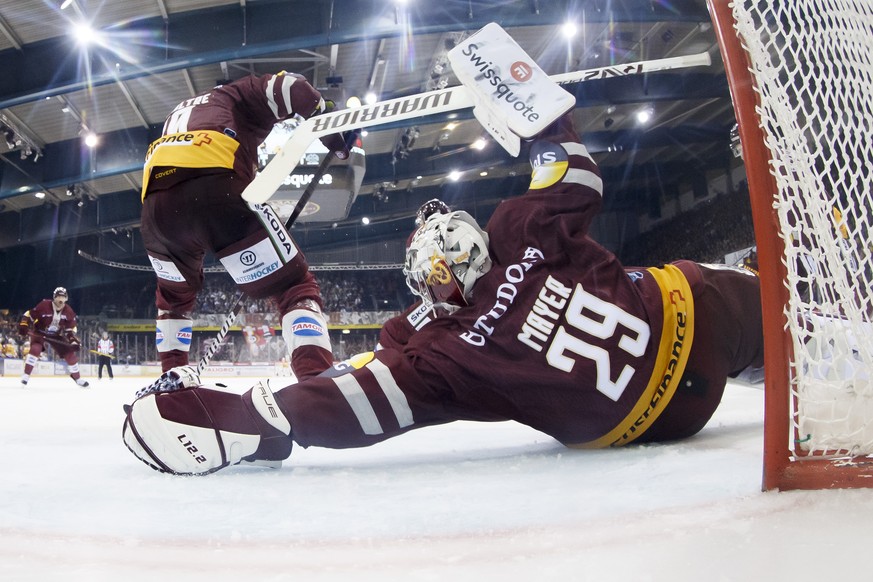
197 430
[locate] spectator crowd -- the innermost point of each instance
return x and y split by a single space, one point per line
357 302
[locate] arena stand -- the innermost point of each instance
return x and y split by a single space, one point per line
357 302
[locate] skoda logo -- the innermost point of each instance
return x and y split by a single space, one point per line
248 258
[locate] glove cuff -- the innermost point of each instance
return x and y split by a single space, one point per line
264 403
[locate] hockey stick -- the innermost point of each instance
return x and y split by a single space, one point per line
239 302
221 269
51 340
271 177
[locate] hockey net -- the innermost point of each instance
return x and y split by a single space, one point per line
801 80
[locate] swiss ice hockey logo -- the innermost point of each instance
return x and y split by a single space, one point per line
306 326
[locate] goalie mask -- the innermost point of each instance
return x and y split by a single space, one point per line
445 257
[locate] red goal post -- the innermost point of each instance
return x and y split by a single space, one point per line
801 80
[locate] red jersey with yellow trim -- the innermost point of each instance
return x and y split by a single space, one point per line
222 129
558 335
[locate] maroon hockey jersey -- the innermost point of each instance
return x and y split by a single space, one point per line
45 320
222 129
558 334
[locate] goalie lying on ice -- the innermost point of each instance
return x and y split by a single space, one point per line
527 320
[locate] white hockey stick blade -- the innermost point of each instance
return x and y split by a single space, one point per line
271 177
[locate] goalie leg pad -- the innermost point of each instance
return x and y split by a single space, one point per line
197 431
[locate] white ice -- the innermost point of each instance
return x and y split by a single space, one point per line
464 501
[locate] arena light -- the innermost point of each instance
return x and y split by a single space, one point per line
479 144
84 34
644 116
454 175
569 30
91 139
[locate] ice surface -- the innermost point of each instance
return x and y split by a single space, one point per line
464 501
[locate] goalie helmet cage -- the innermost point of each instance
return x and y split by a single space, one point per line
801 80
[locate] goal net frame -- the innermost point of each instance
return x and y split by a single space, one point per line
786 464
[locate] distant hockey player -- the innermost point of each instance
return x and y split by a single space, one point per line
52 322
105 353
193 179
529 320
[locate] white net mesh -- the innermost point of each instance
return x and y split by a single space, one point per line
813 66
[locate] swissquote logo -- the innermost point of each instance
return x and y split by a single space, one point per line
521 71
488 74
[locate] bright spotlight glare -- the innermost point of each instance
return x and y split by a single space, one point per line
479 144
365 221
454 175
40 195
84 34
370 98
569 29
644 116
91 140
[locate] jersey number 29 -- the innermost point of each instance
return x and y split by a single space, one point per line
600 319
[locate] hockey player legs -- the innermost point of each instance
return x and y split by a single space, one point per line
52 322
264 263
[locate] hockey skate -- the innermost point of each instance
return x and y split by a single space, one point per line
81 382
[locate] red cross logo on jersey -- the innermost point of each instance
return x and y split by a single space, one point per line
203 138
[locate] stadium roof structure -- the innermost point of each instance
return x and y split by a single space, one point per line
145 56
